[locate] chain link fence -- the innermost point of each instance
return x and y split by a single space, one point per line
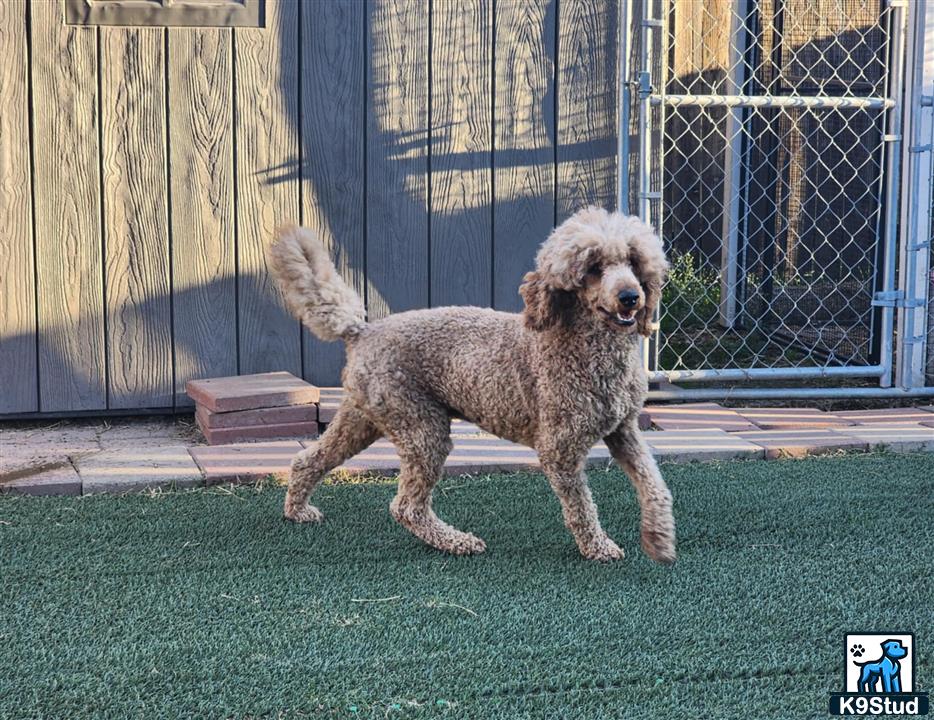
764 151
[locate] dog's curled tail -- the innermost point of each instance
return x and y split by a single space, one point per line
313 290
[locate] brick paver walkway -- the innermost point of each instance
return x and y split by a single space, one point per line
132 456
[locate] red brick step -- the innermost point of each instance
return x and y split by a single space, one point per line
223 436
249 392
259 417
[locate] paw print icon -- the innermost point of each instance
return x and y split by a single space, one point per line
857 650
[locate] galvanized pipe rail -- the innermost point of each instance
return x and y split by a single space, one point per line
765 373
815 102
792 393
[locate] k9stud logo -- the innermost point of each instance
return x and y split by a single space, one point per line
879 676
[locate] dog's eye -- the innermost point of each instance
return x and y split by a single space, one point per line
594 269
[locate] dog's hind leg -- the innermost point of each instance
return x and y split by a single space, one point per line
423 446
889 679
347 434
634 457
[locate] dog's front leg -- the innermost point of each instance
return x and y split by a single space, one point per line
634 457
569 482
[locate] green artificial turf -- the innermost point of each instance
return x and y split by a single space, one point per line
207 604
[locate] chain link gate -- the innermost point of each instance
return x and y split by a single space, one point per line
768 156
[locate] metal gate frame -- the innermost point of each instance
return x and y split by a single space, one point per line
916 211
907 214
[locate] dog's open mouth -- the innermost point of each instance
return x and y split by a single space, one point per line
626 318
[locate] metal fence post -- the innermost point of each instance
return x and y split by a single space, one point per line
624 93
918 158
646 139
733 165
899 26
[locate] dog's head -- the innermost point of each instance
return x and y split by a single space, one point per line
607 264
894 649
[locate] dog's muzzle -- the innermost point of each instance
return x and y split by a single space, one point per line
624 318
629 305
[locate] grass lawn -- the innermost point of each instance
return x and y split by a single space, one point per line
207 604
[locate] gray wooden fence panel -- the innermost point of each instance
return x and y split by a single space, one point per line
201 176
397 156
461 153
587 112
72 361
266 67
524 149
432 145
18 373
135 220
333 161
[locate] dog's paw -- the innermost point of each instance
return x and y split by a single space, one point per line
603 550
304 514
659 545
465 544
857 650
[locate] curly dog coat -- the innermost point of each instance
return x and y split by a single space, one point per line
562 375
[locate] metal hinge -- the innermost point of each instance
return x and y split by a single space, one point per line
653 22
895 298
898 3
891 138
920 148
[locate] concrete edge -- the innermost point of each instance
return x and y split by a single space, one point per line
599 459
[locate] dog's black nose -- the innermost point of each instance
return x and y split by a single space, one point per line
628 298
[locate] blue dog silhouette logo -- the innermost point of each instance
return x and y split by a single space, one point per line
879 677
884 674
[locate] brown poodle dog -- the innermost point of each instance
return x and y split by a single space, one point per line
562 375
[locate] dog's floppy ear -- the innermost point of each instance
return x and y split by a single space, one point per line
652 269
544 305
653 294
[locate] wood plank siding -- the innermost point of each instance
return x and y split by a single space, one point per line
18 364
433 144
137 273
69 241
